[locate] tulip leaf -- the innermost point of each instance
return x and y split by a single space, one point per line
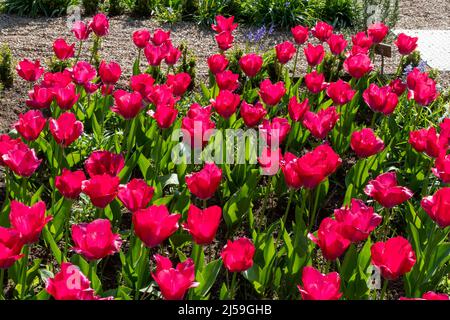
170 179
208 277
53 246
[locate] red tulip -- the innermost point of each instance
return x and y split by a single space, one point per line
160 37
29 71
69 183
197 126
238 255
331 239
66 97
319 286
81 30
357 220
155 54
109 72
62 50
289 169
406 44
203 224
380 99
340 92
100 25
142 83
95 240
179 82
10 247
430 295
227 80
442 168
314 54
361 40
224 24
337 44
162 95
164 116
226 103
300 34
7 144
154 224
40 98
101 162
141 38
269 160
322 122
296 109
424 92
224 40
127 104
385 191
217 63
83 72
437 207
365 143
428 141
322 31
28 221
271 94
395 257
172 56
21 160
174 282
278 128
358 65
377 32
251 64
90 87
204 183
136 194
66 129
252 114
315 82
101 189
285 51
415 77
30 124
397 86
56 80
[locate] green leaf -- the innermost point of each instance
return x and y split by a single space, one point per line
209 276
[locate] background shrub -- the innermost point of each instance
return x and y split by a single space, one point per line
90 6
35 8
208 9
6 67
143 8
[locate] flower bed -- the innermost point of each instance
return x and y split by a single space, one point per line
260 184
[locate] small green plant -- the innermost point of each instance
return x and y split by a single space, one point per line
169 11
188 63
115 7
143 8
90 6
208 9
6 67
34 8
340 13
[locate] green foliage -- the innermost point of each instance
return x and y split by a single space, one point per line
115 7
340 13
207 10
169 11
6 67
188 63
371 11
34 8
90 6
143 8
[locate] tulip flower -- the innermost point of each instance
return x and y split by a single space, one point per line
66 97
217 63
39 98
172 55
62 50
203 224
10 247
56 80
238 255
397 86
380 99
154 224
424 92
315 82
21 160
95 240
224 40
340 92
437 207
30 124
278 128
377 32
28 221
314 54
415 77
29 71
337 44
385 191
101 162
322 31
226 103
224 24
136 194
227 80
289 169
428 141
174 282
66 129
101 189
358 65
164 116
83 72
90 87
162 95
7 143
430 295
69 183
319 286
141 38
179 83
100 25
322 122
405 44
142 83
357 220
300 34
395 257
271 93
296 109
285 51
270 160
442 168
204 183
365 143
197 126
109 72
160 37
330 239
81 30
252 114
251 64
362 40
127 104
155 54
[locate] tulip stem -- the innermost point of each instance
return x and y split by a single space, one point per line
2 279
383 291
286 212
24 272
79 51
92 271
295 61
233 286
